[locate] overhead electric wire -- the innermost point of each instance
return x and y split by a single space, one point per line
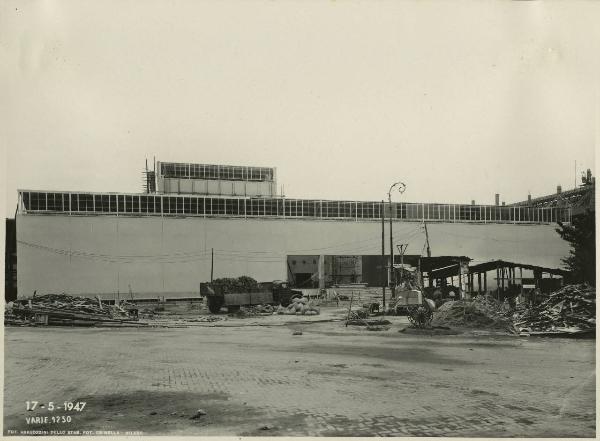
237 255
114 258
373 239
483 238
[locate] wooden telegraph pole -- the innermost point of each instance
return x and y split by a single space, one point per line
401 189
383 253
212 263
427 239
392 275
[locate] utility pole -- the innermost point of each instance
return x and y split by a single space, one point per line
383 253
401 189
212 263
427 239
402 249
428 253
420 275
392 275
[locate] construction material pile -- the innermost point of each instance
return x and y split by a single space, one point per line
570 310
59 309
368 323
206 319
481 313
241 284
253 311
11 319
299 306
357 314
263 309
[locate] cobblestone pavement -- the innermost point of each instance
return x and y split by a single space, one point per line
330 381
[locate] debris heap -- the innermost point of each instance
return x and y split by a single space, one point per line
63 309
253 311
358 314
264 309
570 310
481 313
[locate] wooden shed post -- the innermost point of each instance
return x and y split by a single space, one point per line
485 282
497 281
521 277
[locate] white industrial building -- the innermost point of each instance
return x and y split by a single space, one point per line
162 242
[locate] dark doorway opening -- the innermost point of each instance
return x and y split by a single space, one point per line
303 280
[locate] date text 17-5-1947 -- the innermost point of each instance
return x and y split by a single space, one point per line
77 406
52 406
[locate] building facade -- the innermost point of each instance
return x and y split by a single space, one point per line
164 243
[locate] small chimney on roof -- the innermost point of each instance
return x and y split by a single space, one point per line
472 201
503 203
558 189
497 199
529 198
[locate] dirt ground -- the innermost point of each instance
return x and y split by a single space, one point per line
254 377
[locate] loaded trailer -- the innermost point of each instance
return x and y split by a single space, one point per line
272 293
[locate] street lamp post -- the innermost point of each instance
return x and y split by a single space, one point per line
401 188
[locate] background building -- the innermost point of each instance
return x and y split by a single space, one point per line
223 180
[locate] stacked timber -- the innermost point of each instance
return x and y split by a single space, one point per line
359 292
63 309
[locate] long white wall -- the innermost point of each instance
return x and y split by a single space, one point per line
106 254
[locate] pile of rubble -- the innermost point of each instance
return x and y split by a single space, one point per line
253 311
481 312
206 319
299 306
182 322
358 314
263 309
63 309
12 320
570 310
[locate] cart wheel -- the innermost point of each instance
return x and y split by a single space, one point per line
420 316
411 313
214 304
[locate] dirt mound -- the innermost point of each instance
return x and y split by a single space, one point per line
480 313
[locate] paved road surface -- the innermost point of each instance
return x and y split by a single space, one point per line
332 380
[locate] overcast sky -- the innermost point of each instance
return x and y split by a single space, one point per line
460 100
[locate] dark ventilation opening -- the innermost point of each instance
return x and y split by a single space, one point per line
10 261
